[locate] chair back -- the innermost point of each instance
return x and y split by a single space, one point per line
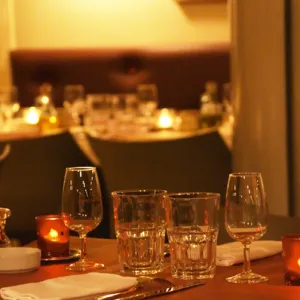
32 178
198 163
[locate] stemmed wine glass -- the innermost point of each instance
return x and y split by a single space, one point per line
82 209
246 214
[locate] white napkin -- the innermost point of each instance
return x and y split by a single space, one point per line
69 287
232 253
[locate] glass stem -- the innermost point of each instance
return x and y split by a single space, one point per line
247 264
83 246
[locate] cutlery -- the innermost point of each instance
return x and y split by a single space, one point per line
162 291
141 280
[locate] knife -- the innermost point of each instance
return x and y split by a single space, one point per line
168 290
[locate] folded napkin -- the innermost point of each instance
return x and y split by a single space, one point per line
232 253
69 287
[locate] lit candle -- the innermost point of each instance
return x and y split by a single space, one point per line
166 118
32 116
291 257
52 236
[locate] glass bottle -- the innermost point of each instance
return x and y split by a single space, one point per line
210 108
48 113
4 240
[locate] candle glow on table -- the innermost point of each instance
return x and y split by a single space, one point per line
166 118
32 116
52 236
291 258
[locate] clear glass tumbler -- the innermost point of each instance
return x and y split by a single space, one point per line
193 229
140 228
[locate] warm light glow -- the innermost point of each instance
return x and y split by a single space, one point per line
52 235
165 119
115 23
45 100
53 119
32 116
298 262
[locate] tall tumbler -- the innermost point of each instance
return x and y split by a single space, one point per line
140 229
193 229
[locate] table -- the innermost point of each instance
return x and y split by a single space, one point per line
214 289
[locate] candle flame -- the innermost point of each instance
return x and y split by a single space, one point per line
298 262
32 116
53 234
45 100
53 119
165 119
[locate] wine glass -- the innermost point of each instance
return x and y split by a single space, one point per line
246 214
82 209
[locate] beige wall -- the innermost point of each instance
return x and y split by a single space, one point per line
4 43
106 23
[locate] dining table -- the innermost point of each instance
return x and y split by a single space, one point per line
105 251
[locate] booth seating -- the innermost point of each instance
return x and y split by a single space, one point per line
31 181
180 73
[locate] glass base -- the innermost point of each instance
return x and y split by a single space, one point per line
84 265
248 277
141 271
193 274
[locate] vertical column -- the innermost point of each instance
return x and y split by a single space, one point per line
295 72
5 42
258 77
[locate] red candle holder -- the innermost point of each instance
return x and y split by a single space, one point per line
52 236
291 257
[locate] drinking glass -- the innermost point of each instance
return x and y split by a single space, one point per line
74 102
99 109
148 99
140 228
246 214
82 209
193 229
9 104
124 110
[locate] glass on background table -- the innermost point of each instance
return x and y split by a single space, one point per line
9 105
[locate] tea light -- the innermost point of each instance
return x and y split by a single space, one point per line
32 116
166 118
291 257
52 236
